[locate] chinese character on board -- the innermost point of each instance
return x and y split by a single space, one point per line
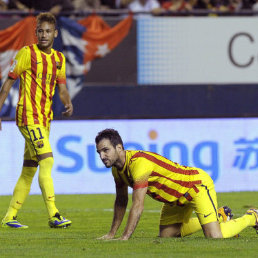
247 154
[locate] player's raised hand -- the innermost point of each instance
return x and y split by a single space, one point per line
68 110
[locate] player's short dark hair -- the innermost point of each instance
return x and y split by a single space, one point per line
111 135
46 17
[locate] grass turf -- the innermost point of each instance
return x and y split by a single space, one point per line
92 216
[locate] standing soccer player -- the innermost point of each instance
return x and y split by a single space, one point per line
40 69
181 189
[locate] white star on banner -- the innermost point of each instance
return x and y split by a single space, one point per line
102 50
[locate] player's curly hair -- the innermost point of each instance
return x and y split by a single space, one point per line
46 17
111 135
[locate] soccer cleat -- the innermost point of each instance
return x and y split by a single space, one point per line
13 223
59 221
255 212
225 213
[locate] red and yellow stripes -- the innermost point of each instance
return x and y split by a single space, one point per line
37 85
33 85
188 184
43 86
167 166
168 181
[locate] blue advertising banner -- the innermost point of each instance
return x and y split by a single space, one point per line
227 149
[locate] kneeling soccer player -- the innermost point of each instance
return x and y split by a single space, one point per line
181 189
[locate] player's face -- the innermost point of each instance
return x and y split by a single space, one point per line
46 33
108 154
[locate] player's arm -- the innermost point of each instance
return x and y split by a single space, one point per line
4 91
66 100
119 210
135 212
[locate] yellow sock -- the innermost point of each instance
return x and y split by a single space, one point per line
46 185
192 226
20 192
235 226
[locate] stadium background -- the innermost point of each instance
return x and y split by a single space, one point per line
183 87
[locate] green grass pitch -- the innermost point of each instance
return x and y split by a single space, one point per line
92 216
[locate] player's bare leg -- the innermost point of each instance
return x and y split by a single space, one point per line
173 230
212 230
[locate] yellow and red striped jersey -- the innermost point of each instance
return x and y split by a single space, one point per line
39 73
166 180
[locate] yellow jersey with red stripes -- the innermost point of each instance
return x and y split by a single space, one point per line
39 73
166 180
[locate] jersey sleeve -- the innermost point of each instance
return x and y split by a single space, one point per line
140 170
61 78
20 63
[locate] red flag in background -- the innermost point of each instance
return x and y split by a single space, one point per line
18 35
14 38
101 38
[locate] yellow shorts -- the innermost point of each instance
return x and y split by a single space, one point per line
204 204
36 141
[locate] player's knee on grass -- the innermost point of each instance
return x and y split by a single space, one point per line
170 230
212 230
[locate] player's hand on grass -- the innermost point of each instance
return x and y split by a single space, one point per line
68 110
106 237
121 238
